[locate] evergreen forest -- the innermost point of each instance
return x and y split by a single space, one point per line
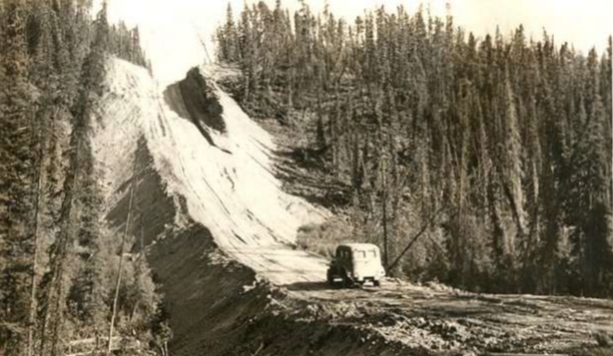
483 163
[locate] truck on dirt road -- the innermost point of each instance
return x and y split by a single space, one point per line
356 263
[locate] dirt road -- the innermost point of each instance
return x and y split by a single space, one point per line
439 318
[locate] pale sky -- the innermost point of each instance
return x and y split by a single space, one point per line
172 30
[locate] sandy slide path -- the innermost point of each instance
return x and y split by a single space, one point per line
228 186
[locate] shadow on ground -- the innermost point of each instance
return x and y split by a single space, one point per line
324 286
308 286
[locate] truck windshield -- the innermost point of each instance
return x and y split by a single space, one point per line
365 254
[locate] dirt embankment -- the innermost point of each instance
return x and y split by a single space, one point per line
217 306
213 242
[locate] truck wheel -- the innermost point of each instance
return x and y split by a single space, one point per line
346 280
346 283
377 283
330 279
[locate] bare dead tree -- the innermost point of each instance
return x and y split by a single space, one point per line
123 242
415 238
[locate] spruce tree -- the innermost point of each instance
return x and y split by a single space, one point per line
16 184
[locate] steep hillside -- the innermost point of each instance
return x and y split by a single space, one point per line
207 206
219 235
222 172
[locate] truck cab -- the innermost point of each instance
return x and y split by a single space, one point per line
356 263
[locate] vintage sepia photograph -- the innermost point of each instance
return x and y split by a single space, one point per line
306 178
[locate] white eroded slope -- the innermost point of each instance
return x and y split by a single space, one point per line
235 195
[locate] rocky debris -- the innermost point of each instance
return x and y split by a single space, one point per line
603 339
444 320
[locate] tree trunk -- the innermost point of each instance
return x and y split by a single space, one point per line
37 208
59 250
385 242
123 242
